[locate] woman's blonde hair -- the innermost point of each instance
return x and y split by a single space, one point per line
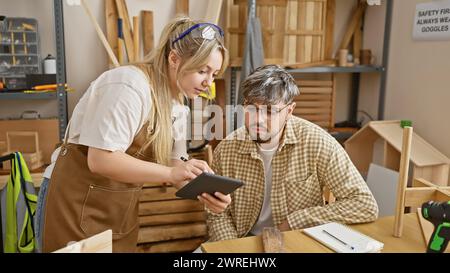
194 53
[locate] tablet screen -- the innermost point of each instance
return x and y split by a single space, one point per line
208 183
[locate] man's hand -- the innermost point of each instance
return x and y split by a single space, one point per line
284 226
216 204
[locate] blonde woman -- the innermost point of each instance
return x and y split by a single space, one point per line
121 136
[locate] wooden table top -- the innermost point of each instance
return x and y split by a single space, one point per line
298 242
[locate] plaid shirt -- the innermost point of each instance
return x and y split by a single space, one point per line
307 159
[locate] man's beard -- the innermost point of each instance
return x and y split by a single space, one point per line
259 138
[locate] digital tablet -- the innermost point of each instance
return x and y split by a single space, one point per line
208 183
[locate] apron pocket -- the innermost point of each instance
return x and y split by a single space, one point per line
106 208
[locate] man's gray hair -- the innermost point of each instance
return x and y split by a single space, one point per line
269 84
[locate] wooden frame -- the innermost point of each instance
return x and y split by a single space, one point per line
26 142
316 102
427 162
421 192
168 223
294 31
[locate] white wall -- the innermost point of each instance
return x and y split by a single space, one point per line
418 85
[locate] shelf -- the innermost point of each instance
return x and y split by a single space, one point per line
18 54
27 96
334 69
9 44
19 31
330 69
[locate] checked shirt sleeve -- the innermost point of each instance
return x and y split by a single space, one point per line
354 201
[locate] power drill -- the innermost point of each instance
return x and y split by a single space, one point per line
438 214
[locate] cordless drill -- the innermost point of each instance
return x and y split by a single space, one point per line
438 214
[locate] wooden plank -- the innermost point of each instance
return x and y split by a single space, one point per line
173 206
174 218
417 196
316 26
310 7
147 30
314 104
357 43
306 83
426 227
316 90
278 36
112 32
213 11
233 39
300 28
292 24
300 111
171 232
99 32
127 32
311 64
182 7
309 97
243 11
402 181
314 118
266 36
136 40
329 29
263 2
158 194
357 16
186 245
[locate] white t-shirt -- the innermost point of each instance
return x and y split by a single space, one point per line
265 216
112 112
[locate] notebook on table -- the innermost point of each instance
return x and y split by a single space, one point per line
343 239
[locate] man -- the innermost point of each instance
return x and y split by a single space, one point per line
285 162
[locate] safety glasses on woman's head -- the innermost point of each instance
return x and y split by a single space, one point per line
205 31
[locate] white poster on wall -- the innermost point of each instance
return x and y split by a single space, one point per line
432 21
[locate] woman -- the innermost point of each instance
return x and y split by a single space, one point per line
121 136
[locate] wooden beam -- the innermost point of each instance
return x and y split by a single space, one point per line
403 181
171 232
100 34
127 32
329 29
354 22
147 30
182 7
136 41
112 33
213 11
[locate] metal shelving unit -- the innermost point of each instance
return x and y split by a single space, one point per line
356 72
27 96
60 95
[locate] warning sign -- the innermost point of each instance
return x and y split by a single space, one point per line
432 21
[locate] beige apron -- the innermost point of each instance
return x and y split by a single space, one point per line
81 204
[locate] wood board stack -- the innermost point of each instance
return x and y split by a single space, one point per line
316 102
168 223
294 31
